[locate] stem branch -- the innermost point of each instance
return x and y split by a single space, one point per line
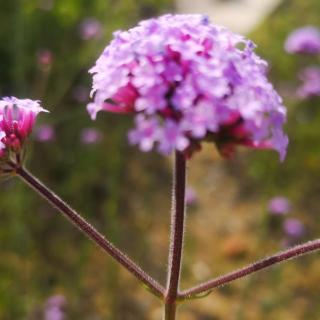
290 253
91 232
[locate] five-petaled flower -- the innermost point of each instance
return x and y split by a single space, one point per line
17 118
188 81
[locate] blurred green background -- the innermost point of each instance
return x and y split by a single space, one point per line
46 49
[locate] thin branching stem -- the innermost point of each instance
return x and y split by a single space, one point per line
283 256
151 284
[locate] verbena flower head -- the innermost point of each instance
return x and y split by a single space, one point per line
17 118
305 40
187 81
310 82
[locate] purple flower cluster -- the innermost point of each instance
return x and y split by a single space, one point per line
17 118
188 81
305 40
310 87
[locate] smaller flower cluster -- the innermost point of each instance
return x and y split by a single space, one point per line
17 118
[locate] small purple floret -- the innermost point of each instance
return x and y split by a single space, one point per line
45 58
293 228
191 196
90 136
90 28
311 82
44 133
279 206
55 308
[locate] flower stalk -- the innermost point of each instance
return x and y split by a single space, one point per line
170 311
176 236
